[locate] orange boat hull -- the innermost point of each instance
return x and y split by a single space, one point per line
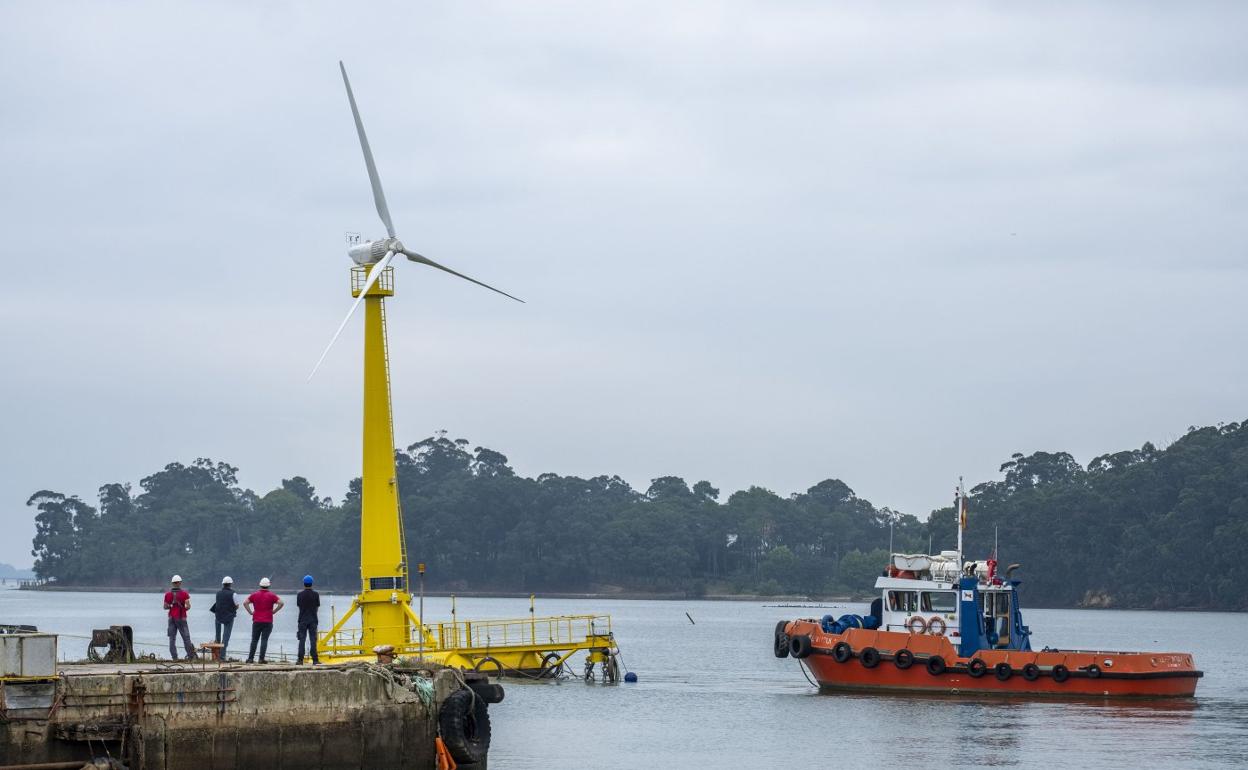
1081 673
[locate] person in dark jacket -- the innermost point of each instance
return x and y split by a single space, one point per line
309 602
225 608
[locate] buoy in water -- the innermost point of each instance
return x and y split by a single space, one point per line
630 677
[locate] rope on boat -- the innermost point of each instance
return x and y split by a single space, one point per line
805 673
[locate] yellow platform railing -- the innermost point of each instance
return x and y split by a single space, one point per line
558 630
548 633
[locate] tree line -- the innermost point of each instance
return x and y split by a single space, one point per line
1155 528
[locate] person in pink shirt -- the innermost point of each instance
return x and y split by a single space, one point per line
261 605
177 602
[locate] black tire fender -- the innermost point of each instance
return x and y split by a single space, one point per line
464 722
1003 671
780 642
549 668
1060 673
842 652
485 664
903 659
1031 672
870 657
490 692
977 667
799 646
1094 671
936 665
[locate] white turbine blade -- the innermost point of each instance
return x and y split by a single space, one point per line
368 284
379 197
426 261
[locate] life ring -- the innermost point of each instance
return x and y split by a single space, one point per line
1060 673
842 652
464 722
903 659
916 625
799 646
1031 672
870 657
977 667
936 665
932 626
1003 671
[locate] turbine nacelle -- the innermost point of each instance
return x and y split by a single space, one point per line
368 252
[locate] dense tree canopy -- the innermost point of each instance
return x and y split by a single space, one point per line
1141 528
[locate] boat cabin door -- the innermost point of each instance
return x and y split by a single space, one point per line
997 617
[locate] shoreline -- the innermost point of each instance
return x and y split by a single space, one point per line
781 601
626 595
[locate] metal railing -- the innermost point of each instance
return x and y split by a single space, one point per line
555 632
558 630
359 275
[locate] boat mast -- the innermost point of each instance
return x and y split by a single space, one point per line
960 500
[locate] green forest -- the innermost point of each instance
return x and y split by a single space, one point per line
1148 528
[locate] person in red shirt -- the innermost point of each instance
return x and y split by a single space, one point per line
177 602
261 605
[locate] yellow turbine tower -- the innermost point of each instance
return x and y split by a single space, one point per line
530 645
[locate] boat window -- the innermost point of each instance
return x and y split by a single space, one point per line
940 601
1003 605
903 601
995 604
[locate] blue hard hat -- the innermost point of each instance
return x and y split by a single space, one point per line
307 580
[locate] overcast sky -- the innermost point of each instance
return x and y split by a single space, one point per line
761 243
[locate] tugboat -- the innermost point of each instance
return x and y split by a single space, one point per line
944 625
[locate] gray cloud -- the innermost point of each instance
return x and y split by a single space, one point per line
761 243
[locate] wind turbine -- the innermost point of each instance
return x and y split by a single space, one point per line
377 255
385 598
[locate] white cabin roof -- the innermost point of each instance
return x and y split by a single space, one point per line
913 585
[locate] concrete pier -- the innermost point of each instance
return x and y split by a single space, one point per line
206 716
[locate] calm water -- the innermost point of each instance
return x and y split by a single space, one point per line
712 695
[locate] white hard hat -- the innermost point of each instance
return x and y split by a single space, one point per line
227 580
176 579
264 582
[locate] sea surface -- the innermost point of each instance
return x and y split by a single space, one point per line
711 694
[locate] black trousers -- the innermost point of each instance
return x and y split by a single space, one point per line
259 633
307 628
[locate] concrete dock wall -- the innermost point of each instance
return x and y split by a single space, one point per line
166 718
